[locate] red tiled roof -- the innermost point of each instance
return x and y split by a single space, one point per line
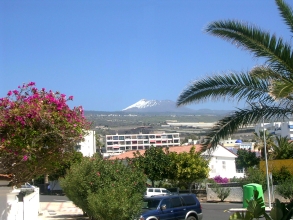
6 176
179 149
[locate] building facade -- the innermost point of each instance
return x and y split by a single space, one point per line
88 146
128 142
222 163
283 129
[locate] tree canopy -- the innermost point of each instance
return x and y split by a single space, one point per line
246 158
155 163
37 128
270 84
186 168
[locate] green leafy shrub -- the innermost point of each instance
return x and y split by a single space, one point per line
222 192
105 189
281 175
255 175
285 189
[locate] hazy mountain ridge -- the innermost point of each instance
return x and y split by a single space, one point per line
161 107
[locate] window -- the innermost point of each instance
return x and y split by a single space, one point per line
166 202
78 147
176 202
189 200
157 190
151 203
224 165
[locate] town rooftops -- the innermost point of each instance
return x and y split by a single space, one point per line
177 149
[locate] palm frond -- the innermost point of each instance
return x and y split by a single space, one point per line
278 54
286 12
242 118
229 86
266 73
281 85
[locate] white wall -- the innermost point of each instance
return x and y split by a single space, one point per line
222 166
88 146
222 163
12 209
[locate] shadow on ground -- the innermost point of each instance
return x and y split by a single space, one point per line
71 217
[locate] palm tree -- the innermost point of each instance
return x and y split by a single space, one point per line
271 84
283 149
259 138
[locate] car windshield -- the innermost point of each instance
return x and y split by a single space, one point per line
150 203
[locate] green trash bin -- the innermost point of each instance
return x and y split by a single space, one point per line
248 192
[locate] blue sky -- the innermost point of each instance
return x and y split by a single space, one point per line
110 54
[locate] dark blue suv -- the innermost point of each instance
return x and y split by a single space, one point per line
169 207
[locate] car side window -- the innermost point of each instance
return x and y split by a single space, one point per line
157 190
176 202
189 200
150 190
167 202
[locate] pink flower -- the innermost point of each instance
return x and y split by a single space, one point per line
70 97
25 158
31 84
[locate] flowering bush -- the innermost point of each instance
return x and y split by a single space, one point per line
105 189
37 128
219 179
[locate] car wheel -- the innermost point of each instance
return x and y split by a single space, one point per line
191 218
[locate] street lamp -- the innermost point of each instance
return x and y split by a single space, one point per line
266 161
266 157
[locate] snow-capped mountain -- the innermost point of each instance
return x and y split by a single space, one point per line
144 105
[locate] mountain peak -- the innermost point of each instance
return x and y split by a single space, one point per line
145 105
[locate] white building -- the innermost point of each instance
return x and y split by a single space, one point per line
88 146
237 144
222 163
127 142
282 129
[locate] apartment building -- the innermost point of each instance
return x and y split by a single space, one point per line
127 142
283 129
